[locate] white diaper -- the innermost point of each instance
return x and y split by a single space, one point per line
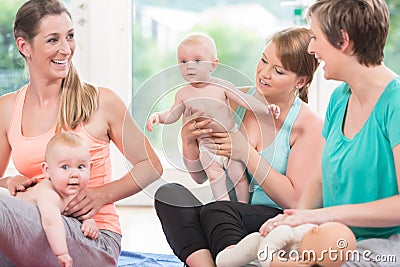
221 160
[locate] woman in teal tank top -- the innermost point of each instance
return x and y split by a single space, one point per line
359 181
277 162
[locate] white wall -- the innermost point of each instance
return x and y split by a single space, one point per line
104 43
320 92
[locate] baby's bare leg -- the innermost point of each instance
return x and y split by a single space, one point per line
237 174
216 175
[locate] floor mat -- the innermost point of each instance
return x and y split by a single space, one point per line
136 259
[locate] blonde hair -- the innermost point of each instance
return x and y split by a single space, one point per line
69 139
78 99
203 39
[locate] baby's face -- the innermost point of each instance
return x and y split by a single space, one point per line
195 62
328 244
68 168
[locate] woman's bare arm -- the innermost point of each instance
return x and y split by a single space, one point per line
6 104
305 155
12 183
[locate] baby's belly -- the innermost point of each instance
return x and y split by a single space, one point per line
218 127
221 115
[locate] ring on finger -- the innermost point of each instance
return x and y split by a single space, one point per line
219 146
194 124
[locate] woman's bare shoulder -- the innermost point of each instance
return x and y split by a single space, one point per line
108 96
7 102
307 127
308 119
110 102
105 92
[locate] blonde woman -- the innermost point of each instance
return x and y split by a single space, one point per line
57 100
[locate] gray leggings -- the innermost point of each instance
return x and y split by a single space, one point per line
23 241
377 252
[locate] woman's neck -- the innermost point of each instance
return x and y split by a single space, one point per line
370 82
44 93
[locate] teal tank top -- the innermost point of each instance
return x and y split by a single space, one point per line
276 154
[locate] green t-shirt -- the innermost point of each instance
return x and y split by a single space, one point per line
362 169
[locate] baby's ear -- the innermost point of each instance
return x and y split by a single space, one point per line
45 169
215 63
91 165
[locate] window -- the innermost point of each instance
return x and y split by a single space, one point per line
239 29
12 69
11 63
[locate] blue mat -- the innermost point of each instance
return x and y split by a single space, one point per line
137 259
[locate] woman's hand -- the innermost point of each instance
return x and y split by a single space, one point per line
232 145
294 217
271 224
194 125
86 204
19 183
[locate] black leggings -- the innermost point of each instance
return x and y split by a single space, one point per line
190 226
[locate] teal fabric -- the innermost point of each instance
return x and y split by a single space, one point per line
276 154
362 169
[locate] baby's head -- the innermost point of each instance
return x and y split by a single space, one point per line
197 56
202 43
329 245
67 163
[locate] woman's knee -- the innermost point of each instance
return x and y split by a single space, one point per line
173 194
165 190
167 194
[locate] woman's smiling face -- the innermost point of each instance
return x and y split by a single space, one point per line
53 47
323 50
272 79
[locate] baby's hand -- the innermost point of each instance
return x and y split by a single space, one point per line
89 229
151 120
275 110
65 260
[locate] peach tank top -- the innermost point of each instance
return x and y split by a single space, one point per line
28 155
